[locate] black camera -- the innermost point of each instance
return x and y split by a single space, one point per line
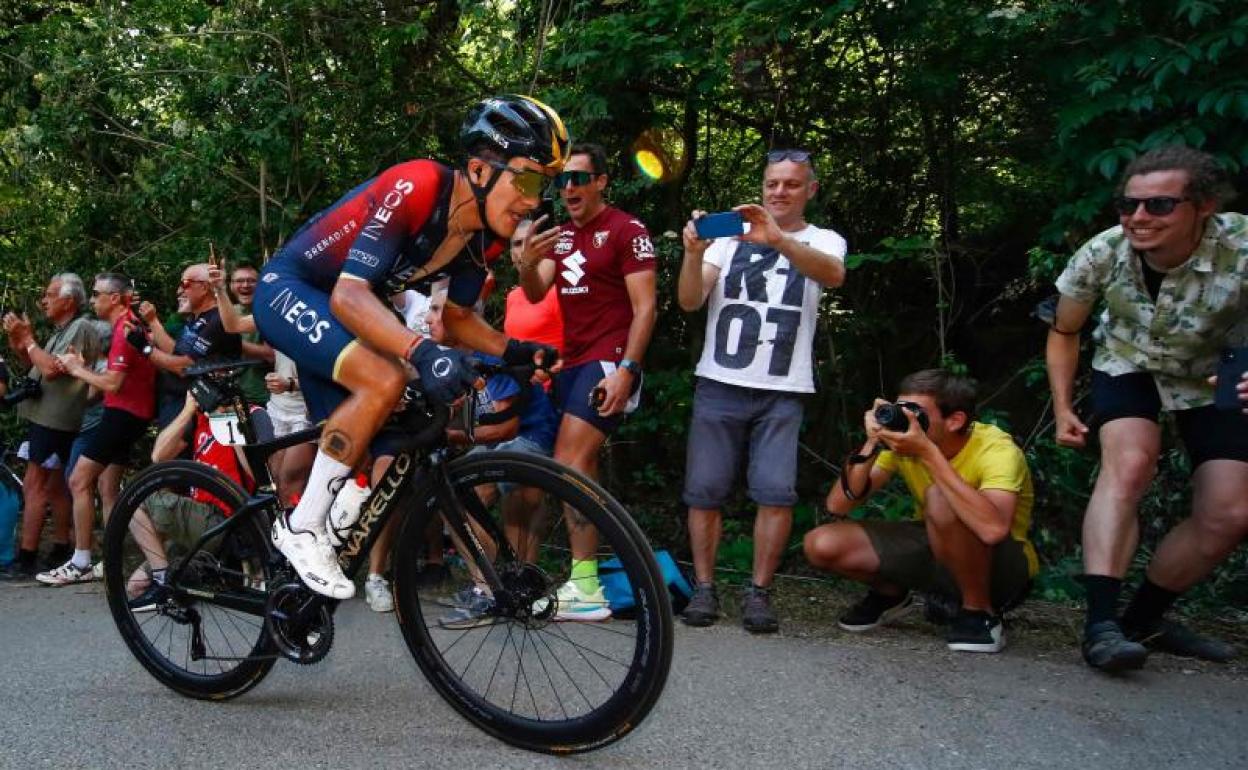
20 389
893 416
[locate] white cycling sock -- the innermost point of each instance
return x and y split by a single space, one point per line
324 481
82 558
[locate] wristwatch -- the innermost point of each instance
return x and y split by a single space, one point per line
632 366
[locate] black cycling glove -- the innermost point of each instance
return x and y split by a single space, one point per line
445 373
521 353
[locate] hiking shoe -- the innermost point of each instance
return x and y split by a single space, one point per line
478 611
1105 647
377 594
757 616
574 604
150 600
703 608
875 609
66 574
1178 639
976 631
312 557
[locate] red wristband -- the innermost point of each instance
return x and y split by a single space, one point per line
407 354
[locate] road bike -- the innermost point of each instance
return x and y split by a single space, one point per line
230 606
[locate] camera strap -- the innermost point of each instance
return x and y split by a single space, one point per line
857 458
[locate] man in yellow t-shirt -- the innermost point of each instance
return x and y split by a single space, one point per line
973 499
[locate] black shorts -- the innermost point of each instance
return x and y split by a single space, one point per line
49 443
907 561
115 437
574 385
1207 432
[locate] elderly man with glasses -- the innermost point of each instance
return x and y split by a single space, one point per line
203 336
1173 275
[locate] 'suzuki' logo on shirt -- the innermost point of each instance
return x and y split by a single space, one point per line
574 272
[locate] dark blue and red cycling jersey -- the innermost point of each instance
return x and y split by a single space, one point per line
384 232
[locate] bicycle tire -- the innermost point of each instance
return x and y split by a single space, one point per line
244 548
638 688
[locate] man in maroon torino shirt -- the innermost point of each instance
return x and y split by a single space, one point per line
603 265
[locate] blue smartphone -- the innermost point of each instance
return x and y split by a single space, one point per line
725 224
1230 370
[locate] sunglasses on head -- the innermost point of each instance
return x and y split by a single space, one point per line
527 182
1158 205
797 156
577 178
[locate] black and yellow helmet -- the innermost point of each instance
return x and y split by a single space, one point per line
516 127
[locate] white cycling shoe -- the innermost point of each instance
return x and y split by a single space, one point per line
312 556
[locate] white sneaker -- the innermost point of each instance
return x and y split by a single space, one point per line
310 553
377 594
66 574
574 604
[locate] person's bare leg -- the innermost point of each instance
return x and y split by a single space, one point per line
706 527
957 548
292 470
523 519
110 488
82 484
1129 451
577 446
35 505
771 536
62 505
1218 524
844 548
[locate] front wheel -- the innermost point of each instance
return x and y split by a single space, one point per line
508 656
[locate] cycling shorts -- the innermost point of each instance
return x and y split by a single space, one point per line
294 317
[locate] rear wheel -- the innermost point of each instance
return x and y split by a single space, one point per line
504 658
202 631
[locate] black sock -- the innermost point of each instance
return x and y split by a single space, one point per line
1102 593
27 558
1148 605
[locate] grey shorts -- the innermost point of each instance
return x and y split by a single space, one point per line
731 421
907 561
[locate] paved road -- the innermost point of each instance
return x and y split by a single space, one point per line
71 696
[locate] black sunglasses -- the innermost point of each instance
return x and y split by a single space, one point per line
577 178
1157 206
797 156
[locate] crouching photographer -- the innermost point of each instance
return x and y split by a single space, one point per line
972 496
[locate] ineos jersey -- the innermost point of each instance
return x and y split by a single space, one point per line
385 231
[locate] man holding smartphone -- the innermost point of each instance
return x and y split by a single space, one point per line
602 263
763 287
1174 278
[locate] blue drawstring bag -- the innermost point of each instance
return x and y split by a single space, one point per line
10 503
619 592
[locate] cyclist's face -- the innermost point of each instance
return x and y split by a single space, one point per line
507 204
433 319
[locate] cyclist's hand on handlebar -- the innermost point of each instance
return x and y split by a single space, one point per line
523 353
445 373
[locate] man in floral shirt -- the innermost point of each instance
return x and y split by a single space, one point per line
1173 276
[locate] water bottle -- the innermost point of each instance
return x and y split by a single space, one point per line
346 508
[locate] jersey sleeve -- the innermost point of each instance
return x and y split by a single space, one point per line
634 249
120 352
398 203
1084 277
720 252
830 242
1003 466
467 278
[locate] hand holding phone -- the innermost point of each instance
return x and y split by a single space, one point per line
1230 373
724 224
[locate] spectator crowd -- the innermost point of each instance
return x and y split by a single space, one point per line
1172 278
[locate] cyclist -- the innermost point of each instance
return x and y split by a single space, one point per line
320 298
